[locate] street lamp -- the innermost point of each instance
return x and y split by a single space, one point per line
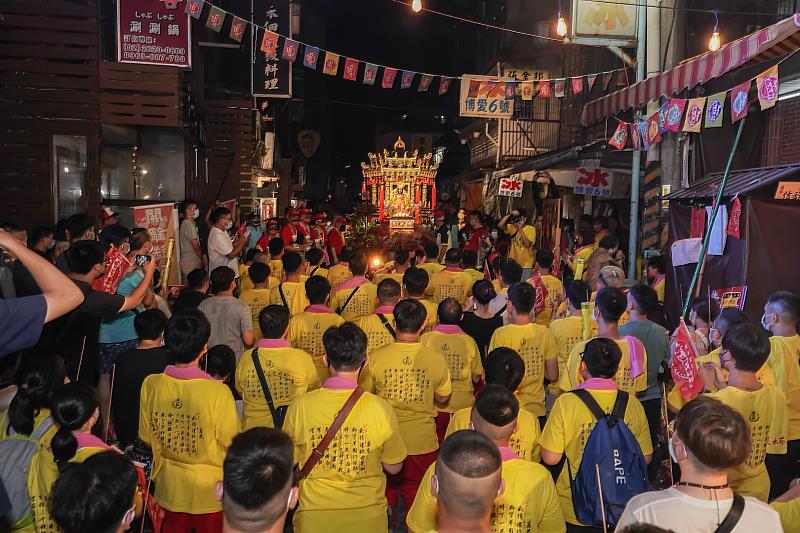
715 41
561 25
416 6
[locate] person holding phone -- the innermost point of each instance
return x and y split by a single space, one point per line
222 250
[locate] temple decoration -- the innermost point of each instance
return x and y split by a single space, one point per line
400 186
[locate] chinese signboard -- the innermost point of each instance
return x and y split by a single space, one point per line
593 180
730 297
486 97
153 33
117 265
524 73
788 190
161 222
609 22
511 186
272 76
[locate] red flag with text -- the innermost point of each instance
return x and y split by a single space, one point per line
117 265
735 219
684 364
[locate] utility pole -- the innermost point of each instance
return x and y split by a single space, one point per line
636 164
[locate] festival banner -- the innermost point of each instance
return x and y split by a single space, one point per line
591 78
215 20
730 297
290 49
607 79
350 69
161 222
271 77
389 74
424 83
577 84
310 57
694 115
653 129
331 64
117 265
370 73
642 127
594 180
684 364
406 79
511 90
527 90
715 110
510 186
739 101
155 33
238 27
483 96
269 44
620 136
674 114
560 88
444 85
697 227
662 118
544 89
767 83
636 138
735 218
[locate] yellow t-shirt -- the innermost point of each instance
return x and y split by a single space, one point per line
305 333
276 269
388 275
571 377
447 284
580 260
783 359
790 515
520 253
475 275
765 413
361 304
289 372
377 333
407 374
189 424
555 290
38 418
524 440
294 292
245 283
464 361
338 273
660 287
431 314
318 271
431 269
535 344
567 332
568 427
257 299
348 482
529 502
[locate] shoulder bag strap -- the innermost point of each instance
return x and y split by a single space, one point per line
344 306
313 271
590 402
319 451
265 388
388 326
283 296
733 516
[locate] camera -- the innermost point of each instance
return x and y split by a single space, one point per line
142 260
514 219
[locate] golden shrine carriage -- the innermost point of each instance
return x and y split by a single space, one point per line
400 186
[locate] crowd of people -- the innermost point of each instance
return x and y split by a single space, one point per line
472 382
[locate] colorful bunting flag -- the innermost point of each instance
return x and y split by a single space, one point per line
767 83
331 64
473 89
290 49
577 84
662 117
739 101
350 69
370 73
715 110
607 79
406 79
310 57
697 226
269 44
591 78
636 138
424 83
735 218
511 89
694 115
444 85
560 87
653 129
620 136
642 127
684 364
238 27
675 114
389 74
194 8
527 90
215 20
544 89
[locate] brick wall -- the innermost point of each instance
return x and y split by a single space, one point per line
780 135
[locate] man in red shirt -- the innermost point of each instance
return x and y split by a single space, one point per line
336 239
273 230
293 239
304 226
318 233
477 236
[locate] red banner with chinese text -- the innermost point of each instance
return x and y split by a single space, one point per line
117 265
154 33
161 222
684 364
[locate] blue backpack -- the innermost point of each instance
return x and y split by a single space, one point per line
613 469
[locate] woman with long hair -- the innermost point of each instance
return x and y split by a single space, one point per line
29 412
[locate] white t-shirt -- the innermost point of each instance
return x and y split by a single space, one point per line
219 246
673 510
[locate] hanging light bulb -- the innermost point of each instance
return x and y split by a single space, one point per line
715 41
416 6
561 26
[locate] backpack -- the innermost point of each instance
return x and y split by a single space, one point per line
613 469
16 453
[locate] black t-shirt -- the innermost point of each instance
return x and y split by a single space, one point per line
481 329
443 232
188 299
130 370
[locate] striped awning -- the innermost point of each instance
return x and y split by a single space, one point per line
770 42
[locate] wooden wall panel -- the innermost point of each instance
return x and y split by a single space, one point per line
140 95
230 138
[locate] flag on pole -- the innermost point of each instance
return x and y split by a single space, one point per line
269 44
215 20
767 83
577 84
350 69
620 137
310 57
370 73
406 79
425 83
591 78
389 74
560 88
684 364
715 110
194 8
544 89
290 49
739 101
674 114
694 115
331 64
444 85
238 27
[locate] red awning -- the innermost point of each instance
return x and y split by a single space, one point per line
772 41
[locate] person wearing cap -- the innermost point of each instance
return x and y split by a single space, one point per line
318 231
336 239
108 218
293 239
305 223
254 225
273 230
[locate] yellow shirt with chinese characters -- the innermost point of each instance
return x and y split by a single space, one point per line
519 252
258 299
289 372
463 359
524 440
567 332
783 360
318 271
535 344
276 269
451 284
338 273
571 377
361 304
378 334
580 260
294 296
555 293
407 375
306 331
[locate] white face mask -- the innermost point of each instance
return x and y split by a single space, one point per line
672 451
765 320
229 225
196 214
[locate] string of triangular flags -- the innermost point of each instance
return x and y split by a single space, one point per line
692 114
272 41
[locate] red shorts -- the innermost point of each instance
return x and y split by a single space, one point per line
405 484
442 421
188 523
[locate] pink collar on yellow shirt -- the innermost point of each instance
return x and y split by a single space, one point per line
384 310
507 453
87 440
352 283
273 343
448 328
598 384
338 383
318 308
186 372
452 268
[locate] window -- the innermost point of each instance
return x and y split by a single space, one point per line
69 170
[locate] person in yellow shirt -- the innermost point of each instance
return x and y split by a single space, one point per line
509 273
610 304
657 275
289 372
555 289
306 329
523 239
580 259
415 280
402 262
253 256
258 297
415 380
781 314
571 422
292 292
314 263
529 501
787 505
469 262
258 486
341 271
452 282
188 419
275 264
430 263
378 326
355 297
345 491
533 342
463 359
568 331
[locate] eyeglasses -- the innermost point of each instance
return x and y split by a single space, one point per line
724 357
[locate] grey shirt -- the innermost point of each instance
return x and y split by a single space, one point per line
656 342
229 318
188 233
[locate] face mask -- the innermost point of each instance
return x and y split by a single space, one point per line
766 322
714 336
51 245
461 217
196 214
229 225
672 451
494 234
